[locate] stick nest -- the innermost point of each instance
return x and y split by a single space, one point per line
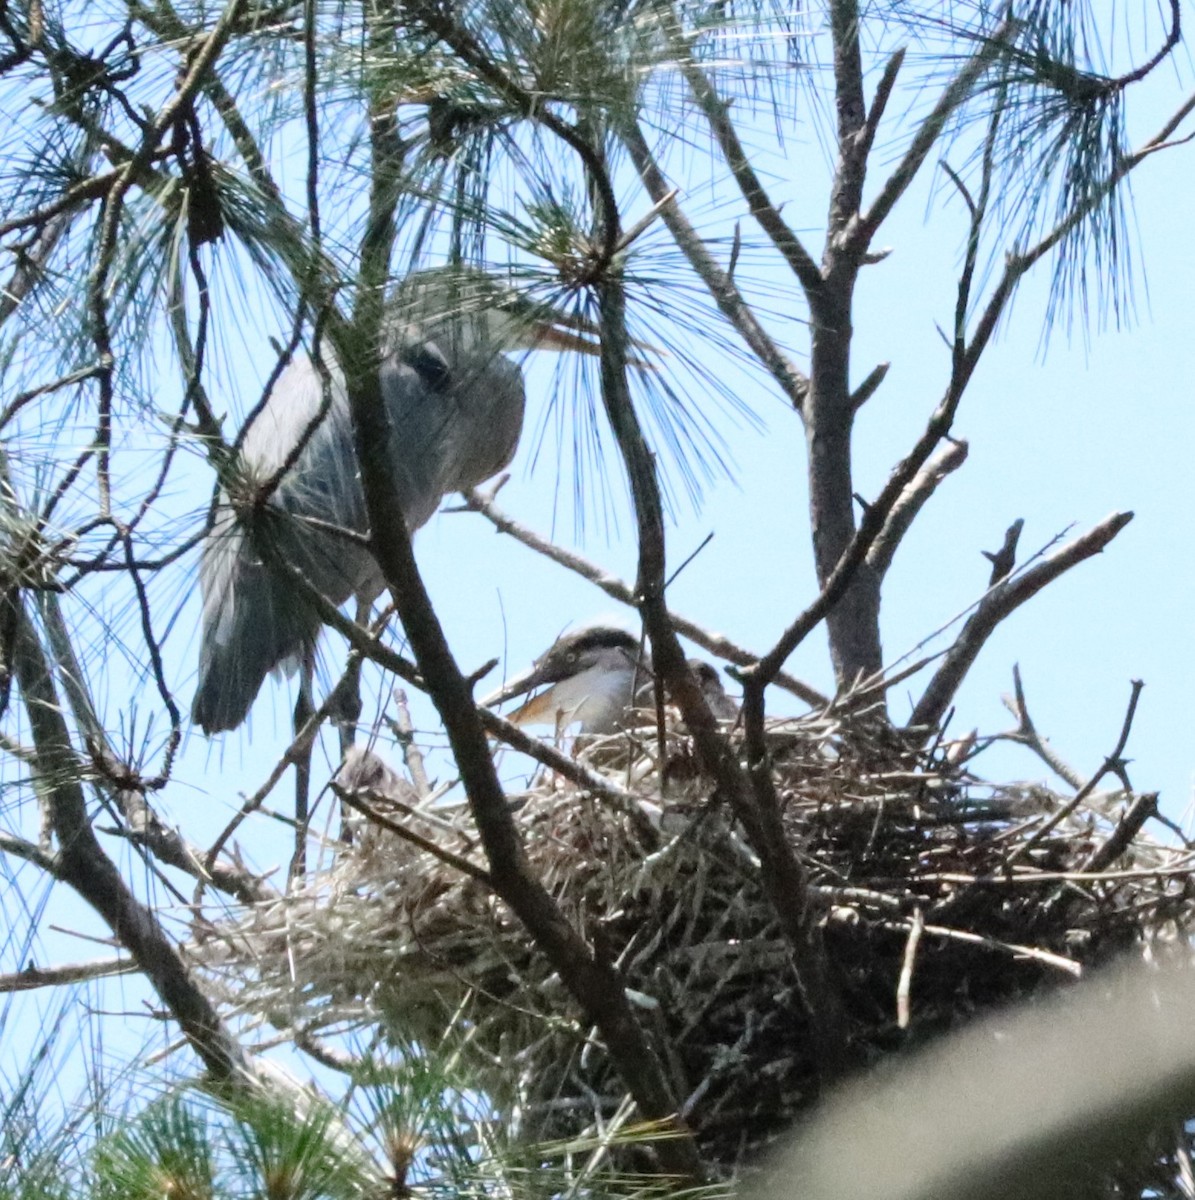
941 897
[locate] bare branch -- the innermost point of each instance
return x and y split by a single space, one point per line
879 103
32 977
717 113
1005 559
850 110
1026 733
869 386
793 383
910 502
861 230
999 602
1112 763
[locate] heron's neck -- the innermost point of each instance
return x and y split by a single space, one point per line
599 698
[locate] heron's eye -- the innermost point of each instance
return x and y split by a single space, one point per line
570 657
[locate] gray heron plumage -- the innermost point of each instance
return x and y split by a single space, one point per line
455 406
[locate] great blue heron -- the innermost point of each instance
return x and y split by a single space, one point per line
596 678
455 408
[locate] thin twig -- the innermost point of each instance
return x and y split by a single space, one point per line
905 984
1110 764
458 863
67 974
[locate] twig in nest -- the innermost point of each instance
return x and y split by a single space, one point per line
456 861
1140 811
905 984
1113 763
404 734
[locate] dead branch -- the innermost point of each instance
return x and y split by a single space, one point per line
1004 559
765 212
911 500
869 386
997 604
31 977
862 228
1113 763
720 284
1026 733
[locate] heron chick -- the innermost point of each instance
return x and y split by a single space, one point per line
454 404
597 678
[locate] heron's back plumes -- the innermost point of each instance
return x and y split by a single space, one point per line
253 622
454 422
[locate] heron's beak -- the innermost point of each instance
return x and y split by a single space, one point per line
548 336
563 331
538 708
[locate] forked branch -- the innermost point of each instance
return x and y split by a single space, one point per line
1005 598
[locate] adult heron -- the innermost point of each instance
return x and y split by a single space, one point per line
455 407
596 678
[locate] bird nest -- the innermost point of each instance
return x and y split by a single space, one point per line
941 896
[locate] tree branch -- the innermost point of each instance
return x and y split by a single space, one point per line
869 386
82 864
66 974
755 804
720 284
717 113
1114 762
594 984
1026 734
860 231
910 502
999 602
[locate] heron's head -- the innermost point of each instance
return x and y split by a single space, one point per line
464 309
710 682
589 676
